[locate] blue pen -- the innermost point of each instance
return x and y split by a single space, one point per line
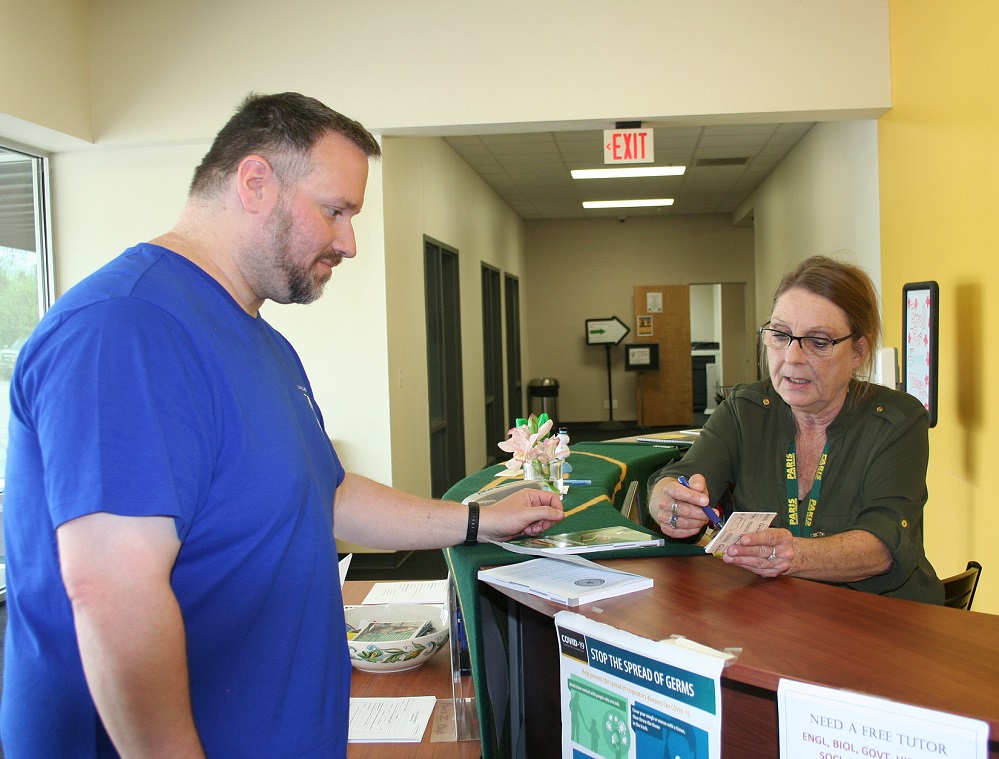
708 511
578 482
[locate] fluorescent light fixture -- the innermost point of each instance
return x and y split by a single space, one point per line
647 203
630 171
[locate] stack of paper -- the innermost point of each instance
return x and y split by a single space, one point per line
569 580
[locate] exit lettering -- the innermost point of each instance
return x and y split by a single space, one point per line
628 146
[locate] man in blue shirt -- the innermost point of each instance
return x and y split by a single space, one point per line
172 495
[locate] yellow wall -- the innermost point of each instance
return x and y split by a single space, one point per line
939 170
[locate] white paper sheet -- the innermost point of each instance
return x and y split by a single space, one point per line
817 721
344 566
389 720
410 592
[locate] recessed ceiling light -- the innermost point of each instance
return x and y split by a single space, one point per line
630 171
647 203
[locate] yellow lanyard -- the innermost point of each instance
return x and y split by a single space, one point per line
799 529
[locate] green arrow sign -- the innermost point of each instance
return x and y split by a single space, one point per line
602 331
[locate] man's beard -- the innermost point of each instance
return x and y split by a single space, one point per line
302 285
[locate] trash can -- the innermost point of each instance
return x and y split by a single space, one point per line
542 397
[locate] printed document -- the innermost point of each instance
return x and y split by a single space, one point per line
626 696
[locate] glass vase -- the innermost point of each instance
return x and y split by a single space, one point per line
549 474
535 470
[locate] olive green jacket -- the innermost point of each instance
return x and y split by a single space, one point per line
874 480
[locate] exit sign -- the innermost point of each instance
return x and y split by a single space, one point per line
628 146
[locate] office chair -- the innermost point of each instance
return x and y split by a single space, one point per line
959 590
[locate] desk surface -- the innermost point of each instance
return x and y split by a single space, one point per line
432 679
930 656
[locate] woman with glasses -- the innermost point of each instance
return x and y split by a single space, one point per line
841 460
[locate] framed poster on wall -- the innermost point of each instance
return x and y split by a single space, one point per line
920 343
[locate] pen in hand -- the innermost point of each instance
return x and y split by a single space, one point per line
708 511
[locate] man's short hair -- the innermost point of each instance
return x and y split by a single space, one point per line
282 128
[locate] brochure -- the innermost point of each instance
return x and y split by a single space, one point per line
678 438
585 541
568 580
498 493
737 525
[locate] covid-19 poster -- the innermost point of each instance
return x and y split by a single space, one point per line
627 696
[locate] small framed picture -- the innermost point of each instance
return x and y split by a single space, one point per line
641 357
920 331
644 326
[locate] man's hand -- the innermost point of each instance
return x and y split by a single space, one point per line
526 512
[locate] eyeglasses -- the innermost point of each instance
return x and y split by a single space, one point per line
818 347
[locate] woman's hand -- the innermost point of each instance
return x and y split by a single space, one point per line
846 557
678 509
768 553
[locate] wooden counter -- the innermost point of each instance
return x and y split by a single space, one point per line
929 656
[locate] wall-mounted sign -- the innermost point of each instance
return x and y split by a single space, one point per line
628 146
610 330
641 357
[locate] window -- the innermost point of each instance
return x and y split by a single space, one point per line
25 264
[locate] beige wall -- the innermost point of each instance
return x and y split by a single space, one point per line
45 83
430 191
822 198
939 159
583 270
172 70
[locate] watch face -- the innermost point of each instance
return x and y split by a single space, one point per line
589 582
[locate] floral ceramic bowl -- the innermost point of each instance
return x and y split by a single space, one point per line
389 655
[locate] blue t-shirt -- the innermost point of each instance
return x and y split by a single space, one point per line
148 391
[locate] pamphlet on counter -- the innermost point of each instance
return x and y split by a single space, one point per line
585 541
627 696
492 495
569 580
678 438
